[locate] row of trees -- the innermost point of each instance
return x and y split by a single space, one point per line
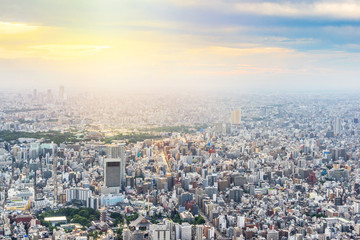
55 136
132 138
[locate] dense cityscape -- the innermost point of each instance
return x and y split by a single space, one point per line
186 166
179 120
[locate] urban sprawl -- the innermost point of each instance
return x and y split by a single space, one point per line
187 166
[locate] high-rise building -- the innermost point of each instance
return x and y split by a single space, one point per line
114 166
356 207
337 126
34 150
93 202
236 194
61 93
273 235
35 93
159 232
114 172
79 194
199 232
338 201
236 117
115 151
240 221
49 95
186 233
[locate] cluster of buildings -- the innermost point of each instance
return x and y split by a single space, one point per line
272 170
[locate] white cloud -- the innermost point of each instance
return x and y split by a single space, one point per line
66 51
51 51
14 28
334 9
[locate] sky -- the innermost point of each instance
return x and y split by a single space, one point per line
154 45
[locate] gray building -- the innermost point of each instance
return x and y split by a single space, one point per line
114 172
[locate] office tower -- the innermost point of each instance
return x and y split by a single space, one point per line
227 129
223 185
185 197
138 235
186 233
338 201
80 195
236 117
160 232
49 95
116 162
34 150
240 221
114 172
356 207
199 232
61 93
337 126
115 151
35 93
236 194
209 233
273 235
302 163
93 202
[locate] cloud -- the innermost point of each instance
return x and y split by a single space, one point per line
14 28
51 51
52 48
236 51
331 9
341 10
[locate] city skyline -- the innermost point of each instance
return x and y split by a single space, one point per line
216 45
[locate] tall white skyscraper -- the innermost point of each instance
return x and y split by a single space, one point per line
337 126
236 117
